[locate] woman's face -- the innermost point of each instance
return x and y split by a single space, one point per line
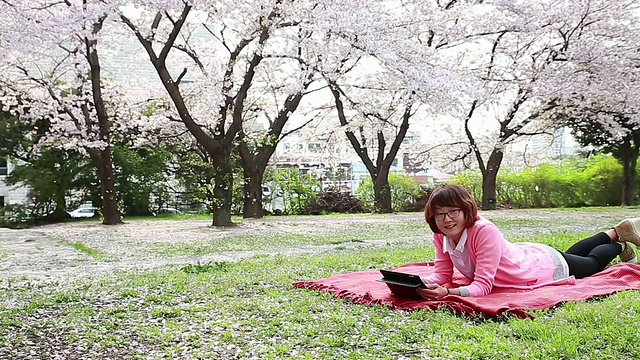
450 221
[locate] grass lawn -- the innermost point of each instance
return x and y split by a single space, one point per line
248 309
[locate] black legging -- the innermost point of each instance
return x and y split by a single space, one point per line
591 255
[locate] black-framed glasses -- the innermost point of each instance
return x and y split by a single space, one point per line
452 214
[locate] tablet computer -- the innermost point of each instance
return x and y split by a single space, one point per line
402 284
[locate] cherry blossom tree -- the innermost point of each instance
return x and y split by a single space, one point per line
256 148
513 56
381 70
605 114
519 55
230 48
51 69
368 123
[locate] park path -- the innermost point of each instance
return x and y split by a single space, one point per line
47 253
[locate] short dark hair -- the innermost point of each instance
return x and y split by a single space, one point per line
454 196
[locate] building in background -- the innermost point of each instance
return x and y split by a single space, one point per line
535 150
10 194
334 163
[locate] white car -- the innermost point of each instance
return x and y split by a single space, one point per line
166 211
87 212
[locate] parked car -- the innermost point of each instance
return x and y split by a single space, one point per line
166 211
85 212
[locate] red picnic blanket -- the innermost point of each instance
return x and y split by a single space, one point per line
362 288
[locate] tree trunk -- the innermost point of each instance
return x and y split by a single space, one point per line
635 152
223 188
253 166
629 161
59 213
382 193
252 193
489 177
102 158
102 161
110 212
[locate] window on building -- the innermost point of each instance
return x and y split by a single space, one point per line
315 148
1 201
408 139
3 167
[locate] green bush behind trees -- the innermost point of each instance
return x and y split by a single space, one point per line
574 182
404 192
141 175
296 190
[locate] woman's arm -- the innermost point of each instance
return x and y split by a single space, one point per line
443 272
486 247
436 292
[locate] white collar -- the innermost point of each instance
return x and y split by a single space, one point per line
448 246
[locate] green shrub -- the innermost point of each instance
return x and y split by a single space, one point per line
404 192
16 216
543 186
294 189
574 182
471 180
603 181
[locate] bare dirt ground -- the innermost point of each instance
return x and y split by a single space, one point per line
46 253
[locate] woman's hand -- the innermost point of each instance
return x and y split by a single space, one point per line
432 292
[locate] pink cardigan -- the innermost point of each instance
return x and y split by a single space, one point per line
498 262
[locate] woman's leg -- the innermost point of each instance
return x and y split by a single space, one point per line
599 257
593 254
584 247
